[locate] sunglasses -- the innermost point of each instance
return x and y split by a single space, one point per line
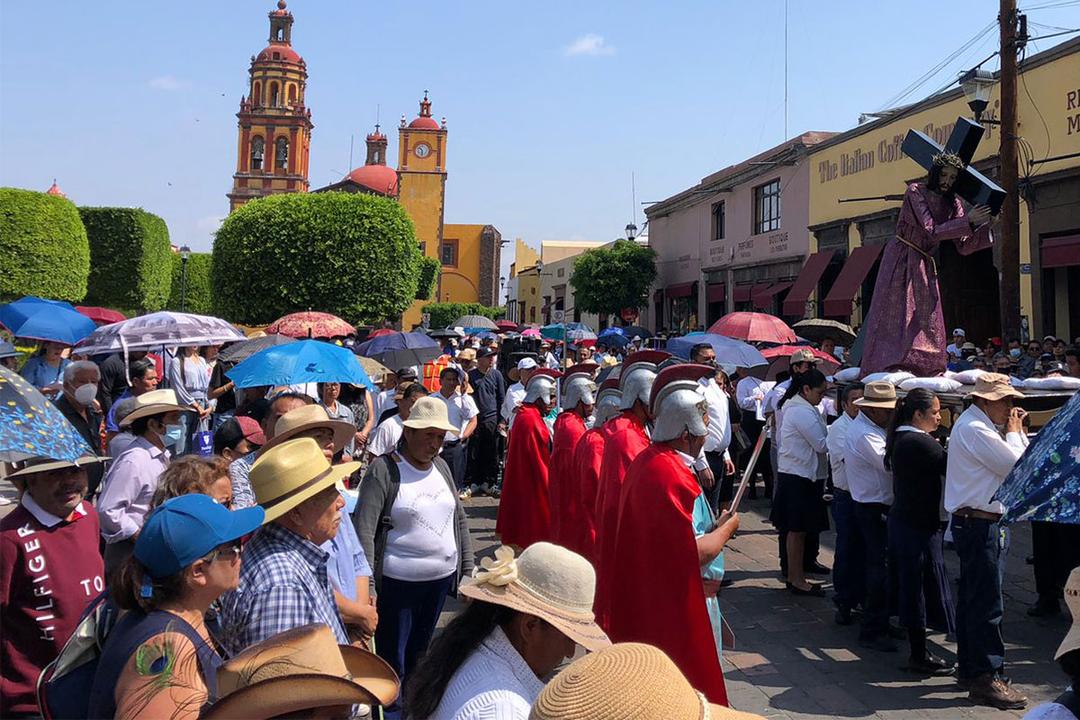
229 552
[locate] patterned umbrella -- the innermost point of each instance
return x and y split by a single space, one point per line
400 349
475 321
300 362
754 327
101 315
241 351
31 426
1045 483
310 325
728 351
818 329
173 329
570 332
38 319
780 355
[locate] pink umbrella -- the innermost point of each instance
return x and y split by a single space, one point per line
310 325
531 332
100 315
754 327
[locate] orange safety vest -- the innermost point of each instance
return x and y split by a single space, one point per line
432 370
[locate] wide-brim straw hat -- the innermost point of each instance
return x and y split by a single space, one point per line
310 417
1072 601
994 386
878 394
290 473
155 402
301 669
628 681
429 413
36 465
547 581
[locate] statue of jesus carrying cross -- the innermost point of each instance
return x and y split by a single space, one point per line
905 329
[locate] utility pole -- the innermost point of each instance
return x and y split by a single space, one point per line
1010 210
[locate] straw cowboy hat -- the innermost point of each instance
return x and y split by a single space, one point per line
36 465
878 394
310 417
627 681
288 474
430 412
155 402
301 669
804 355
1072 600
548 581
994 386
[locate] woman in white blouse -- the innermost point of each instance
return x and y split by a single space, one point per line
802 466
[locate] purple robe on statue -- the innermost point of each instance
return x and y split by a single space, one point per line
905 329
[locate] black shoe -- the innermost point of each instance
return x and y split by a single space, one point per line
881 643
814 591
930 665
842 616
1044 608
817 569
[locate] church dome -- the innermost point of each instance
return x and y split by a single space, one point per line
380 178
284 53
424 123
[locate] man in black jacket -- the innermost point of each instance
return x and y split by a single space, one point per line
489 391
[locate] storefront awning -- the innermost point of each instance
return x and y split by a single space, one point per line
1061 251
763 297
846 287
715 293
806 283
743 293
680 290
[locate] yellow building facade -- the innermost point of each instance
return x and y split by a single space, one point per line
857 180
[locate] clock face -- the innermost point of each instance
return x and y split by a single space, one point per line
422 150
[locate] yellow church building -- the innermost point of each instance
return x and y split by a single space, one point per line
274 139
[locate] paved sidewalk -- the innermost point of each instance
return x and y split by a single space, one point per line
792 661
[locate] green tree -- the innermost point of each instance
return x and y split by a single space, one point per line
353 255
197 295
130 258
443 314
43 247
430 269
608 279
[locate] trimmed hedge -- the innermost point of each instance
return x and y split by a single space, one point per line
442 314
130 258
430 269
197 296
353 255
43 247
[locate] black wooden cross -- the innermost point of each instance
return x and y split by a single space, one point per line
971 184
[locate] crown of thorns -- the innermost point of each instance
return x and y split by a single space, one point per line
948 158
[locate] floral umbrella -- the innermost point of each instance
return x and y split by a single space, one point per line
31 426
171 329
311 324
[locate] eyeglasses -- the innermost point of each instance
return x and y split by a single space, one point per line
229 552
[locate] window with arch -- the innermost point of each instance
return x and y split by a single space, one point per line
280 34
256 94
281 154
258 150
292 94
273 94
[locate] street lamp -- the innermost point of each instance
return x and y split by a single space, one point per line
976 84
185 253
631 231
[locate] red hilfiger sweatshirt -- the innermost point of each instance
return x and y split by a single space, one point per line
50 569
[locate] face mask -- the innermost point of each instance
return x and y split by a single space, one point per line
1014 353
172 435
85 394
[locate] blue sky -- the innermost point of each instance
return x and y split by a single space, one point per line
550 106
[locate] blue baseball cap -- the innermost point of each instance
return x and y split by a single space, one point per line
183 529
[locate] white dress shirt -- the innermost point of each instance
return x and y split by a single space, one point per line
750 394
719 427
979 460
493 683
837 446
386 436
864 462
803 441
515 394
461 409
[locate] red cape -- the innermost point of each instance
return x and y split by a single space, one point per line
624 440
659 597
524 513
562 484
586 468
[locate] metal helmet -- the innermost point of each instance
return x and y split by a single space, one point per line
607 403
677 402
542 386
636 379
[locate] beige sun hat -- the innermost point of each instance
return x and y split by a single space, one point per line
35 465
628 681
290 473
548 581
155 402
878 394
301 669
310 417
430 412
1072 601
994 386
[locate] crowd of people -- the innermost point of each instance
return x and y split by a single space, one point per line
288 551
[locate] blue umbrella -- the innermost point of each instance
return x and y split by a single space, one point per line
400 349
613 337
1045 483
303 361
31 426
728 350
38 319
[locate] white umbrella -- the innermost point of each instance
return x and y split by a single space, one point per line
171 329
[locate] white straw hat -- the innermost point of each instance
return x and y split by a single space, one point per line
430 412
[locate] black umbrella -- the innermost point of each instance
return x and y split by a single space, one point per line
631 330
244 349
445 333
